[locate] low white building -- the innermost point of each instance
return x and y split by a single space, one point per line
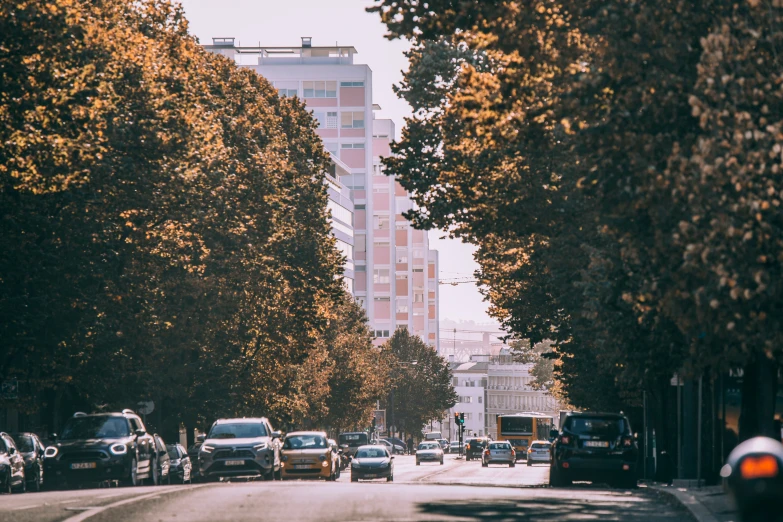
470 380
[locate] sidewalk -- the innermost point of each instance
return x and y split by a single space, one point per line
706 504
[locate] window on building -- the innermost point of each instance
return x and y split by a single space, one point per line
418 270
402 306
319 89
418 253
380 222
360 243
402 204
287 88
359 207
381 189
352 145
402 255
381 276
326 119
381 333
361 268
351 84
480 416
352 120
332 147
468 416
480 399
418 297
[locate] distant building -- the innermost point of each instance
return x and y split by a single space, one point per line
470 381
395 274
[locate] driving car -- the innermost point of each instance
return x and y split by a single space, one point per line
500 452
352 440
474 448
307 454
337 453
372 462
240 447
100 447
32 451
454 446
163 461
193 456
538 452
181 469
11 466
444 445
429 451
598 447
397 444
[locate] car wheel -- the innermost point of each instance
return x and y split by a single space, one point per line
22 485
418 463
354 479
133 476
337 473
7 486
390 478
39 479
154 473
511 464
441 462
529 463
484 464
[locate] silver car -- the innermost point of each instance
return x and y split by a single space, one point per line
240 447
538 452
429 452
499 452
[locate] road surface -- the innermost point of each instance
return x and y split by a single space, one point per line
456 491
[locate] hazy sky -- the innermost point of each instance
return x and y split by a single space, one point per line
282 23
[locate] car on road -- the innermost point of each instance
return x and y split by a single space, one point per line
101 447
429 451
352 440
337 453
372 462
397 444
598 447
538 452
444 445
307 454
163 460
240 447
181 469
32 450
474 448
499 452
12 476
454 446
193 455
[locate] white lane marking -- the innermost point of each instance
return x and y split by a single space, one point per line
27 507
94 511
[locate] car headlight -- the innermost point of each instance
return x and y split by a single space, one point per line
354 464
260 447
118 449
207 449
51 452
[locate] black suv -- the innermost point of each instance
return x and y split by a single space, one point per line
598 447
99 447
474 448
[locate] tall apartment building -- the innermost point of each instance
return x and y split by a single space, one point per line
395 272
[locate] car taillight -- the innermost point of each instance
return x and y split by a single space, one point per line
565 439
486 452
467 446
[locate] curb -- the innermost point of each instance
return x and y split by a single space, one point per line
691 503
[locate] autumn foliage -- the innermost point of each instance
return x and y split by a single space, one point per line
164 228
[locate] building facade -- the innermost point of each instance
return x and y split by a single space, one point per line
470 381
395 274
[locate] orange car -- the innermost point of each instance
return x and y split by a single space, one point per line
307 454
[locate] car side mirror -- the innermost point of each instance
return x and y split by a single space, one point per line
140 433
200 438
276 434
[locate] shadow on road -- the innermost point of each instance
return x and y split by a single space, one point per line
638 507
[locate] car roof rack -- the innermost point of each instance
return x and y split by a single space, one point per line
128 411
79 414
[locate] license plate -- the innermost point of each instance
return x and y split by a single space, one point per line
235 463
370 476
302 466
83 465
596 444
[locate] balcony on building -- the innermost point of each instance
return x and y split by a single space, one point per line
303 54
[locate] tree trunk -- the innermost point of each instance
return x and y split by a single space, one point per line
759 392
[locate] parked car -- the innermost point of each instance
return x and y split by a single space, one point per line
538 452
454 446
306 454
389 445
181 469
11 466
429 451
372 462
163 471
337 453
444 445
100 447
240 447
500 452
32 450
352 440
598 447
193 456
474 448
397 445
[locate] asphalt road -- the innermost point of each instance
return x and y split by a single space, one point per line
458 490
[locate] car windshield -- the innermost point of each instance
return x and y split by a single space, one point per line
428 445
371 453
499 446
172 451
24 443
238 430
455 444
539 445
98 427
600 426
304 442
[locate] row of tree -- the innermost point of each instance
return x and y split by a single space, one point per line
164 229
618 165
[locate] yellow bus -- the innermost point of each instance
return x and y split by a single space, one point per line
521 429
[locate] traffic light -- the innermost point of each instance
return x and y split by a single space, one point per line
462 418
456 417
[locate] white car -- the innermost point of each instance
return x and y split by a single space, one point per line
538 452
430 452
